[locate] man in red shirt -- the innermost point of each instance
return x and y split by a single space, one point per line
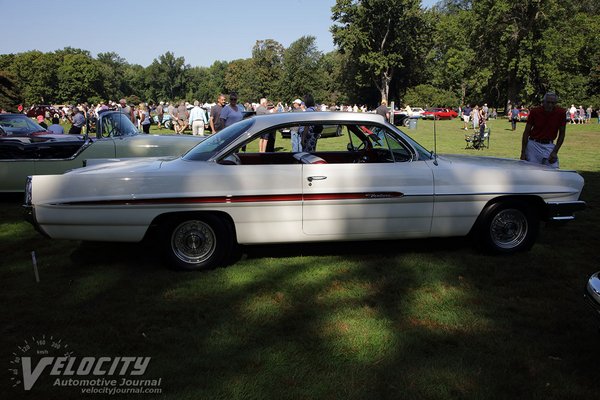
544 125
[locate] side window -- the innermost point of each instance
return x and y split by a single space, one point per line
376 144
107 128
269 147
399 151
332 144
118 121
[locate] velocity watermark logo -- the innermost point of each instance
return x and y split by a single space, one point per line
109 375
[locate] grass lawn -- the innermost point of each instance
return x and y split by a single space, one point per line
430 319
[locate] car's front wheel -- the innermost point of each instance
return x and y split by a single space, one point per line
197 242
509 227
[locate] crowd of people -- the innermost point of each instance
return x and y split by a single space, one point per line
581 116
476 117
545 123
181 116
199 118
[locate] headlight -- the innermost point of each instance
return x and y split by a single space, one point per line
28 191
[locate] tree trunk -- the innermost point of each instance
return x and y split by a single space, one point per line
384 84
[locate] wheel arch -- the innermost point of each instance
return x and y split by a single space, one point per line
535 204
160 220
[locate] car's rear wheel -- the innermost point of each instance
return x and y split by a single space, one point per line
406 122
197 242
168 124
509 227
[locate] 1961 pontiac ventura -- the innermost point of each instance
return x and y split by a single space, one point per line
45 153
373 182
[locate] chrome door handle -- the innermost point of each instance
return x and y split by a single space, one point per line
316 178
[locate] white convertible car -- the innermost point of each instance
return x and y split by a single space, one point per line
373 182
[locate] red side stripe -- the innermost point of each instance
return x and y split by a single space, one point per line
241 199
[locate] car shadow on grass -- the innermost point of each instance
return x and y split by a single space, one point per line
133 256
356 248
146 255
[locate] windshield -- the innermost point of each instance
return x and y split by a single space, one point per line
18 125
116 124
424 154
217 142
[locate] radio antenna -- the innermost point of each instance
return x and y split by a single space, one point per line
435 162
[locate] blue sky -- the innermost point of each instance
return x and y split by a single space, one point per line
140 31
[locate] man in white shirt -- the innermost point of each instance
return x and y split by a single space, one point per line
197 119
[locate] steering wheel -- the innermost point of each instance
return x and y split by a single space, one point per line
231 159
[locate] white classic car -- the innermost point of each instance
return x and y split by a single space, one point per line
373 182
114 136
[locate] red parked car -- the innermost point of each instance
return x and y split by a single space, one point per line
523 114
439 113
41 109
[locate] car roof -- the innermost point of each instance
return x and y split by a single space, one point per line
264 121
13 115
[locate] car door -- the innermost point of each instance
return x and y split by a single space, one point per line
13 174
369 199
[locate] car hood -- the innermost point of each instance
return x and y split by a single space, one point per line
155 145
168 138
119 166
471 174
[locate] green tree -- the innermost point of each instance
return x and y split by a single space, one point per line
79 78
197 87
239 78
113 69
303 71
428 95
9 92
138 83
382 36
166 77
265 70
35 73
215 84
332 72
451 62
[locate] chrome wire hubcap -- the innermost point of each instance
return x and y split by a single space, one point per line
508 228
193 242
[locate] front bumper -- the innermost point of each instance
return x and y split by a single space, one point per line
592 293
29 210
563 211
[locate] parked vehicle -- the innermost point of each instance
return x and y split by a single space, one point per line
43 153
401 118
375 183
592 293
439 113
47 111
523 114
166 121
416 112
19 125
